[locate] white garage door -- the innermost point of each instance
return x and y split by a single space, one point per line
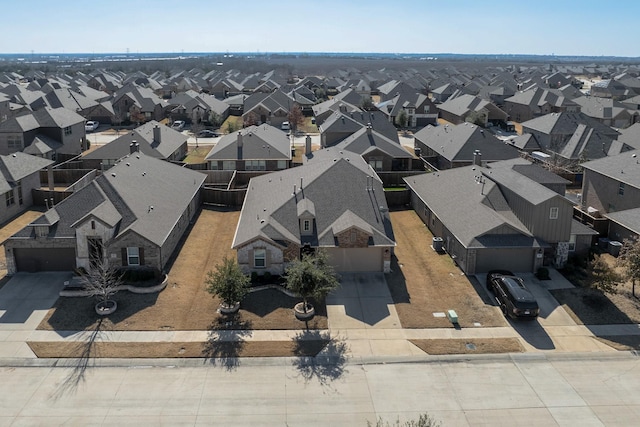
356 259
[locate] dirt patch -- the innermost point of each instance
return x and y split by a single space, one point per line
129 350
621 342
185 303
198 154
470 346
424 282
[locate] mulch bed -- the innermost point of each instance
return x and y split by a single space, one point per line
469 346
211 349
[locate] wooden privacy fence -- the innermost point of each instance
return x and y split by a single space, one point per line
224 197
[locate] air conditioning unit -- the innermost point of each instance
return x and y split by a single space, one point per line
437 244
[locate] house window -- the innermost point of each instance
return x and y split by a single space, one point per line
133 256
229 165
67 130
306 225
10 199
572 243
93 225
553 213
621 189
255 165
259 258
14 142
376 164
282 164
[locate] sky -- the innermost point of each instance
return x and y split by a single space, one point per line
539 27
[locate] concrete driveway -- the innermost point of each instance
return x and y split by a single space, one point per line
24 301
554 329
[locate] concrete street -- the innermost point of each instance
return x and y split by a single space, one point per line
568 390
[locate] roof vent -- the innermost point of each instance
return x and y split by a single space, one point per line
128 164
113 175
14 155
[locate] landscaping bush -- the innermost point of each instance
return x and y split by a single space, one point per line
543 273
135 275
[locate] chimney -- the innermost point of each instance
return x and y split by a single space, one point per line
134 147
477 158
156 134
307 145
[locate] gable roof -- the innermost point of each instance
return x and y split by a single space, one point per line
457 143
367 140
140 194
263 142
270 209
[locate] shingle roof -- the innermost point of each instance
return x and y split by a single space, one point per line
263 142
624 167
364 141
457 143
270 210
141 194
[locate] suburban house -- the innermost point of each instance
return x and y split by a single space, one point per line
471 108
137 104
525 105
270 108
53 133
419 110
152 138
196 107
574 136
447 146
254 148
607 111
499 216
133 216
293 211
380 152
611 189
19 174
340 125
325 109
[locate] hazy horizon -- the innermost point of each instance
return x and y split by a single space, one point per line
502 27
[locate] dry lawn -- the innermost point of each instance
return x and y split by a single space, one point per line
212 349
470 346
424 282
592 307
198 154
185 304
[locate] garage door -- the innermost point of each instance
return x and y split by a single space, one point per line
516 260
356 259
31 260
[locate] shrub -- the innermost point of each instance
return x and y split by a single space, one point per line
543 273
228 282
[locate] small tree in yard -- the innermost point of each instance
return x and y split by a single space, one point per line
629 260
602 276
228 282
401 119
311 277
102 282
295 118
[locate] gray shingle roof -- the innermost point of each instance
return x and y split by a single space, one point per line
141 194
263 142
270 209
17 166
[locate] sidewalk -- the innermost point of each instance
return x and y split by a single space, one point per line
367 332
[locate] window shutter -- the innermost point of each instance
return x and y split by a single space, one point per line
267 261
252 261
124 257
141 252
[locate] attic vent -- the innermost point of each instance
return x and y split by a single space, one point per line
113 175
144 173
13 155
128 164
137 157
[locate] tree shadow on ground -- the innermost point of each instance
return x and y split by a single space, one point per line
397 283
78 313
226 341
328 365
87 351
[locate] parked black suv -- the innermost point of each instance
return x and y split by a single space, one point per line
516 301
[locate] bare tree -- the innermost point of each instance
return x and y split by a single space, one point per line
295 117
102 282
629 260
250 120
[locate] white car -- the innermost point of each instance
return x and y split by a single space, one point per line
90 126
178 125
285 126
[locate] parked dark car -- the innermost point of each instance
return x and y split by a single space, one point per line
516 301
206 133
